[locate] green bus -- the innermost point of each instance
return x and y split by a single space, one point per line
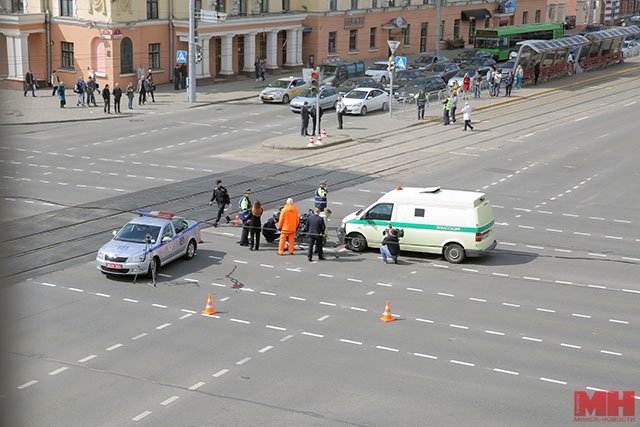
502 40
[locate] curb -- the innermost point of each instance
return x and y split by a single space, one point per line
305 147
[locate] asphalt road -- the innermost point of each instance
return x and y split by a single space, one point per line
500 340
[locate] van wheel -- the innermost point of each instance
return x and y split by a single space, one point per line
454 253
191 249
285 99
363 112
356 242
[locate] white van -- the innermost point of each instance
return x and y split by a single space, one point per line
456 224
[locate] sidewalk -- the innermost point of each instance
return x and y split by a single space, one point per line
404 115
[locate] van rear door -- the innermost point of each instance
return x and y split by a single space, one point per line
485 223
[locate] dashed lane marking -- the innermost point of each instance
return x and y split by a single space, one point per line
265 349
459 362
504 371
169 400
551 380
245 322
570 346
277 328
197 385
613 353
494 332
322 318
220 373
532 339
58 371
426 356
113 347
144 334
310 334
164 325
27 384
86 359
380 347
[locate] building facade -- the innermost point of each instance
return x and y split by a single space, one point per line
116 37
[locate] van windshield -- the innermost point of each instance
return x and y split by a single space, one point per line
378 66
327 70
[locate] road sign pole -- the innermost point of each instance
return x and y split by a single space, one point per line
191 90
391 73
438 26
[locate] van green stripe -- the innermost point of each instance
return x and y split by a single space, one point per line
424 226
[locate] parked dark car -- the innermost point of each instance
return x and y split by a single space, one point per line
482 62
467 56
425 60
569 22
403 77
354 82
505 67
592 28
444 70
431 84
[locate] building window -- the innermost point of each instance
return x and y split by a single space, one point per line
152 9
472 31
286 5
353 40
154 56
67 55
66 7
456 28
264 6
525 17
537 17
511 20
424 30
332 41
221 5
242 7
442 30
425 1
333 5
263 44
17 6
126 56
392 3
374 4
405 35
354 4
372 38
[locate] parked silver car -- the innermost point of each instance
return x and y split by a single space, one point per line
328 97
153 236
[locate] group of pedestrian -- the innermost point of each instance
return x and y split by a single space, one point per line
315 115
180 76
450 106
260 67
146 86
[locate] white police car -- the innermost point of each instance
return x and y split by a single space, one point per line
283 90
159 236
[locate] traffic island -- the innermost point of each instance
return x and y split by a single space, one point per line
299 142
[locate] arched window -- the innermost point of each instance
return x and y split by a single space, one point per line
126 56
98 55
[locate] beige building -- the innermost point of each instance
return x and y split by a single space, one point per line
115 37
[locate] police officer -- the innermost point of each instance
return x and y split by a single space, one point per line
421 101
244 213
320 198
221 197
316 234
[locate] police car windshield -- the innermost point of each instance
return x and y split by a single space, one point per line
280 84
137 233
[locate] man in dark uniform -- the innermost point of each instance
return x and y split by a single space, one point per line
304 116
183 75
316 234
176 77
221 197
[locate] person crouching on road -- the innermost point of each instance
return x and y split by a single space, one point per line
288 224
390 247
244 214
316 234
255 226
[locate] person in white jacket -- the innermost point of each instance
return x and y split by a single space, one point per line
466 115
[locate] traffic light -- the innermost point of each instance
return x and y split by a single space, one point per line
392 65
198 53
315 82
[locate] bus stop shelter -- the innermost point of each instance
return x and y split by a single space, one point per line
605 47
552 58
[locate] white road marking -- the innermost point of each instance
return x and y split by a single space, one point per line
159 305
596 287
581 118
453 325
494 332
458 362
595 254
446 295
388 285
584 316
423 320
614 237
298 298
240 261
169 400
220 373
358 309
570 215
562 250
623 322
527 227
614 353
325 275
113 347
628 104
553 230
75 289
478 299
624 221
504 371
631 291
440 266
630 259
545 212
414 289
551 380
296 270
354 280
508 304
277 328
186 279
532 339
597 218
197 385
570 345
350 341
218 284
531 278
379 347
103 295
139 336
327 303
267 293
27 384
143 414
286 338
48 284
500 274
130 300
58 371
164 325
224 299
246 322
426 356
546 310
184 316
86 359
313 335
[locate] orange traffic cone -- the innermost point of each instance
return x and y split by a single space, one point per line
310 144
323 133
209 308
386 316
237 221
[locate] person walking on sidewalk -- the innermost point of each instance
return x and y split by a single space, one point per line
117 95
176 77
61 94
288 224
477 84
315 235
79 90
446 106
497 81
508 83
536 73
29 83
131 93
341 110
183 75
304 119
263 69
466 115
519 73
142 91
221 196
91 89
106 97
151 87
454 106
421 101
466 85
255 225
55 82
244 213
256 67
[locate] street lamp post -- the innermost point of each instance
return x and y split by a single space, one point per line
191 80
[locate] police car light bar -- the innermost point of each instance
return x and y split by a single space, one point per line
157 214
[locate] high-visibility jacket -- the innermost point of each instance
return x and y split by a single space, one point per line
244 208
320 198
289 219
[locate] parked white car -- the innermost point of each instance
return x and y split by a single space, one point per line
364 99
378 71
630 48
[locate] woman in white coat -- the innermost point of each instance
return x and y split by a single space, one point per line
466 116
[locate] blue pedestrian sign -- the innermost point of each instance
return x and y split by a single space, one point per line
401 63
181 56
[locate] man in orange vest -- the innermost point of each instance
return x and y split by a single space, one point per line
288 224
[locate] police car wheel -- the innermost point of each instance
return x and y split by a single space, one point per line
454 253
285 99
356 242
191 250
